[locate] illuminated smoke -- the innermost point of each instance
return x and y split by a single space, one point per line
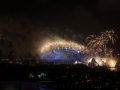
62 44
60 49
111 63
22 36
106 61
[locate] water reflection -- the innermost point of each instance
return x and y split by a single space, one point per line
113 69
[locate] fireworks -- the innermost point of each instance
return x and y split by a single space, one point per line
98 43
63 50
57 46
62 45
109 35
60 48
110 62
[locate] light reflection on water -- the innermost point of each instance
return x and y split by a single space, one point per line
113 69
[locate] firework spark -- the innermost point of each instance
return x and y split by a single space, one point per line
109 35
62 44
110 62
98 43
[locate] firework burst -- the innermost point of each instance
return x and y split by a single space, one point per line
48 46
109 35
98 43
110 62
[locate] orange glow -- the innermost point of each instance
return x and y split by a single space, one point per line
62 44
110 62
10 62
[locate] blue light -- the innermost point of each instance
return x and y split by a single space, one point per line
56 52
63 54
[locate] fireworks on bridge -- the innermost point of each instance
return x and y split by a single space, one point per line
93 54
63 50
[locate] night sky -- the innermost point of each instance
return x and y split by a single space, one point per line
24 24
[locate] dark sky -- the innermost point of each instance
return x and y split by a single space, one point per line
22 22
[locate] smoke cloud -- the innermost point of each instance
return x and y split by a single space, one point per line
26 28
22 36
